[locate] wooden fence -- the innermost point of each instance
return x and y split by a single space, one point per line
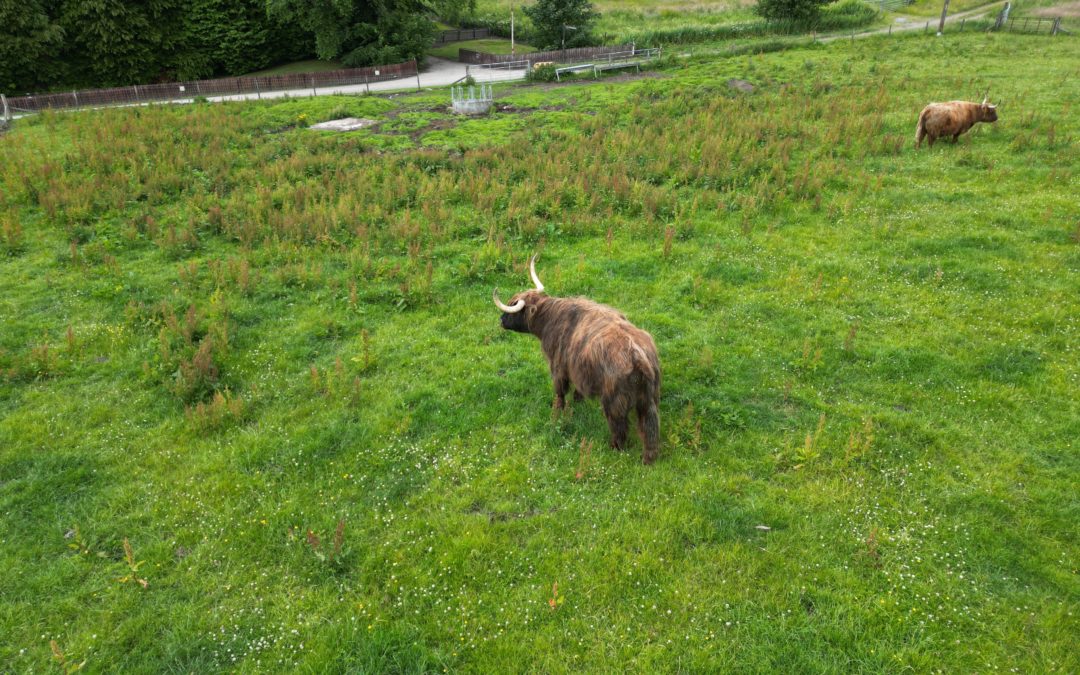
457 35
1050 26
557 56
172 91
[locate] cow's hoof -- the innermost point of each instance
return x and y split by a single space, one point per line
648 458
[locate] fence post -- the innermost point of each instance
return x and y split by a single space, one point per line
962 21
312 77
75 95
7 113
136 88
416 69
1054 28
258 89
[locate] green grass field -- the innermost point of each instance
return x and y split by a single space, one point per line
932 8
490 45
308 66
622 20
257 413
656 23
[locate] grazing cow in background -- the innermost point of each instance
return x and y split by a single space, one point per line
951 119
594 348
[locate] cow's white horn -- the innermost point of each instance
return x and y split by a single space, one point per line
509 309
532 273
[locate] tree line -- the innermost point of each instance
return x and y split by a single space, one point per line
51 44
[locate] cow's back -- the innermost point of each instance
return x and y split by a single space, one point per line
951 117
604 351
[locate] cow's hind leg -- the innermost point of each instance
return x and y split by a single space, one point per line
616 409
648 424
561 383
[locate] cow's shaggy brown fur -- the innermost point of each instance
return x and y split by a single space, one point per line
594 348
951 119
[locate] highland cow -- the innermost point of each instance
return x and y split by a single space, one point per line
594 348
951 119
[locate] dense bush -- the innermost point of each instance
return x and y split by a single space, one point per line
397 37
847 14
545 73
790 10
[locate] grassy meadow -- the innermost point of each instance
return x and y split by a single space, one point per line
657 23
490 45
257 412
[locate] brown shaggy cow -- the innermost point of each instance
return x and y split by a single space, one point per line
951 119
594 348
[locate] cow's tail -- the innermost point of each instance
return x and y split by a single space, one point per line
648 405
920 131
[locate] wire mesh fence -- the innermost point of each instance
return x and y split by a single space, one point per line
176 91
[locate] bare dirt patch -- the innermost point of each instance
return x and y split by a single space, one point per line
436 125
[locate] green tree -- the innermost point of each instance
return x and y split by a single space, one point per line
29 41
803 11
114 42
562 23
364 32
227 37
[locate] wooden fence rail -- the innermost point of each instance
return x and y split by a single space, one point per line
557 56
172 91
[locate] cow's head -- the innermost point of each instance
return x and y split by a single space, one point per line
987 112
517 315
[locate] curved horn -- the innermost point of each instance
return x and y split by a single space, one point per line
509 309
532 273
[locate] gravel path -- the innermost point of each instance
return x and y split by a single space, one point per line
436 73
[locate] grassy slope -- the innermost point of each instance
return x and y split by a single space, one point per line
622 18
490 45
920 308
931 8
308 66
